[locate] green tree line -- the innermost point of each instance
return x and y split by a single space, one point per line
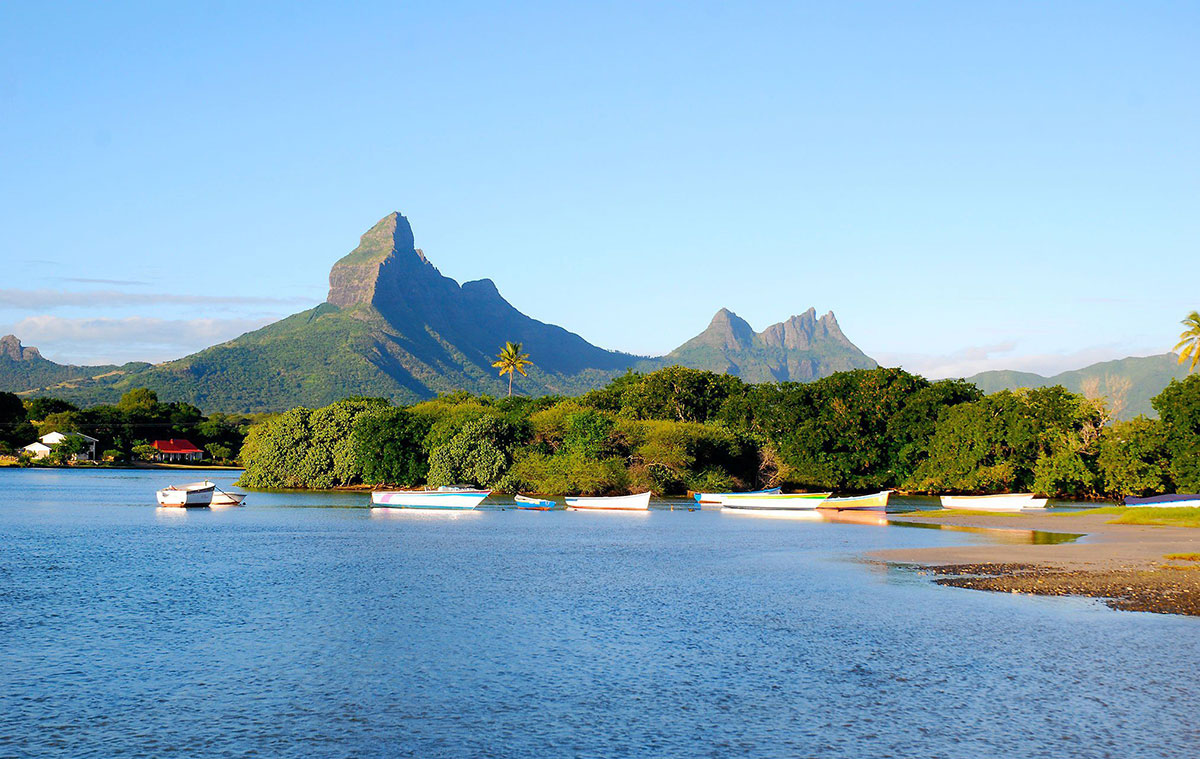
680 429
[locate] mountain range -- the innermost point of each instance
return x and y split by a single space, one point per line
393 326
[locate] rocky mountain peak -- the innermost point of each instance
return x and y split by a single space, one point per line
727 330
386 248
10 347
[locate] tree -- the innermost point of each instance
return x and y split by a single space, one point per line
15 429
389 446
67 449
480 454
510 360
138 399
1178 407
1189 340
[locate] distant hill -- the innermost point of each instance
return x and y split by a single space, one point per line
23 368
393 326
1134 380
800 349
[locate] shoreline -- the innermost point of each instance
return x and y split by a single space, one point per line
1124 565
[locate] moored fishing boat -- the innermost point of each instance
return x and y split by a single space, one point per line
458 499
774 501
874 501
715 498
191 494
997 502
638 502
1175 500
534 504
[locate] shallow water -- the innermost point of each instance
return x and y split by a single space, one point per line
290 627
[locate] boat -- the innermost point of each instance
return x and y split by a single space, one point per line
222 498
638 502
715 498
534 504
774 501
191 494
1175 500
443 498
875 501
997 502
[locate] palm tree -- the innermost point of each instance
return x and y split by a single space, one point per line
1189 340
510 360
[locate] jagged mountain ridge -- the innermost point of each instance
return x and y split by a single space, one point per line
394 326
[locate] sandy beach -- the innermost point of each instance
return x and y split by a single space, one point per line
1124 564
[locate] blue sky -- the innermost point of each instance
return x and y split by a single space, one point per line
966 185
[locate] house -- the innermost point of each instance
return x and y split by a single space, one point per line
46 443
177 450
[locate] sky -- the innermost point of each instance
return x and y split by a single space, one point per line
967 186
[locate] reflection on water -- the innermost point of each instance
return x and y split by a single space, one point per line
296 626
414 514
803 515
999 534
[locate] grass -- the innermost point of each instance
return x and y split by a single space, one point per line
1167 516
1182 557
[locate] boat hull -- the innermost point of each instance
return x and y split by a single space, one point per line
1000 502
715 498
1176 501
875 501
221 498
638 502
194 494
774 501
448 500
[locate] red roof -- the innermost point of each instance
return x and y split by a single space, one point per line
176 446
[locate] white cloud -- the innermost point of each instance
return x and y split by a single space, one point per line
134 338
41 300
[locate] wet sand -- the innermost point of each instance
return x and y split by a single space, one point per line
1123 564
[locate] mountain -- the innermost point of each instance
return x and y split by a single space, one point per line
23 368
393 326
800 349
1128 383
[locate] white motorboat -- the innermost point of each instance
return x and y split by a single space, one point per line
715 498
774 501
638 502
444 498
997 502
192 494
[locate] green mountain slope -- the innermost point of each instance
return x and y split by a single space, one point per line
24 369
1128 383
394 327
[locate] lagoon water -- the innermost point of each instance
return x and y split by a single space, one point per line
303 625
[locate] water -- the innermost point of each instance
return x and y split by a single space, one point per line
298 626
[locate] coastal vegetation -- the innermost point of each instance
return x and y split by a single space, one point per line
1189 341
679 429
123 430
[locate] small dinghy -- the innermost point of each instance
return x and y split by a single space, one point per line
1176 500
443 498
533 504
222 498
874 502
192 494
998 502
639 502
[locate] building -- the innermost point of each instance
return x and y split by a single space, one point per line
177 450
46 443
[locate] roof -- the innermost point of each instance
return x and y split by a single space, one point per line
176 446
62 435
37 447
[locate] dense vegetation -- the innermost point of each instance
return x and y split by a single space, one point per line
678 429
124 430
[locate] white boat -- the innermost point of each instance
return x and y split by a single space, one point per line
998 502
192 494
703 498
222 498
874 501
774 501
446 498
534 504
639 502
